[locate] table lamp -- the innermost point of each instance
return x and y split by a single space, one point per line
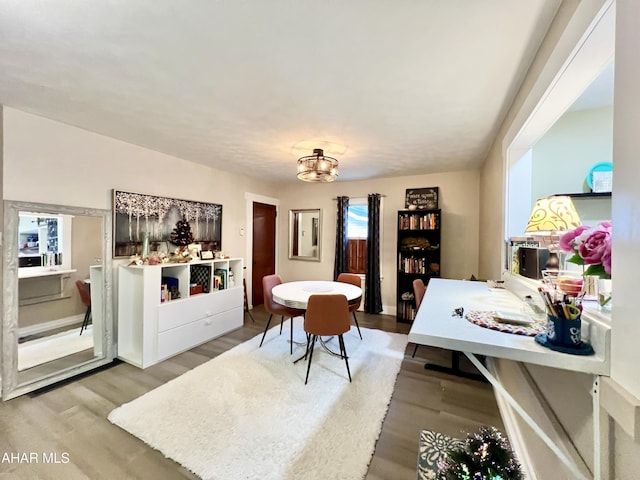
551 215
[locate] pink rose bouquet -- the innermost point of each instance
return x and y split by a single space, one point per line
590 246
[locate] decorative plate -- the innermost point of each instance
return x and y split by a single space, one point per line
486 319
598 167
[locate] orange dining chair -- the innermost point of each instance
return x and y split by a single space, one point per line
419 289
357 281
326 315
85 297
274 308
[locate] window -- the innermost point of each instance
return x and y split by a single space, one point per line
357 223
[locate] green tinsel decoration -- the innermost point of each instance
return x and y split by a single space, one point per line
485 455
181 235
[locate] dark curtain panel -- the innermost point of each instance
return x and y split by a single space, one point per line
342 241
373 294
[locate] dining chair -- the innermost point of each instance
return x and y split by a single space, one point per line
274 308
419 289
85 297
327 315
357 281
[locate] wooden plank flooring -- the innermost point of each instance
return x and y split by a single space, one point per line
71 419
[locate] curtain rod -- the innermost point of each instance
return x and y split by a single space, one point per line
359 196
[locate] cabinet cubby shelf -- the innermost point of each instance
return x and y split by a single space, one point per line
415 274
586 194
419 249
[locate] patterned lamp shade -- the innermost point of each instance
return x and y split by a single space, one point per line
553 214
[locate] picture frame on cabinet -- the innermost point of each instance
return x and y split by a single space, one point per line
421 198
195 250
137 213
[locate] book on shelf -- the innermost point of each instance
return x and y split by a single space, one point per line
513 262
169 289
221 276
418 221
407 310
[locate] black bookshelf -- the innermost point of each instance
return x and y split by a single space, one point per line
418 251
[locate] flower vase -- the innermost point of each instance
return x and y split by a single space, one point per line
145 245
590 287
604 294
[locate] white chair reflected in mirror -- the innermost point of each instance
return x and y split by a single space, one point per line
85 297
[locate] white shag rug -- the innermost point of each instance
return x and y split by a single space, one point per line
52 347
247 413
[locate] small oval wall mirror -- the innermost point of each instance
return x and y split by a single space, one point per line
304 234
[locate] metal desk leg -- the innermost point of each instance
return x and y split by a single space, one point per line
595 398
454 369
527 418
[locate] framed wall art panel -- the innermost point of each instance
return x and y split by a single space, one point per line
136 213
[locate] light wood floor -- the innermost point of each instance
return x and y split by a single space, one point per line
70 420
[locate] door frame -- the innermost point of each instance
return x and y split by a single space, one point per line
250 199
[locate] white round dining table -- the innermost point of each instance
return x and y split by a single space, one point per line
296 294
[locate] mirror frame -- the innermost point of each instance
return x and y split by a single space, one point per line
292 216
11 388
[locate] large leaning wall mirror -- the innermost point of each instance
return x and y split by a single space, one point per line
57 320
304 234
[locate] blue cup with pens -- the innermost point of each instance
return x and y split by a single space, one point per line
564 332
564 326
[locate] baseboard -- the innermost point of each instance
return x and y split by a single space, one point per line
51 325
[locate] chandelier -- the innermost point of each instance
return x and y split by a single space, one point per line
317 167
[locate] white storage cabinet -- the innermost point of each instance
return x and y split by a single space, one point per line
151 330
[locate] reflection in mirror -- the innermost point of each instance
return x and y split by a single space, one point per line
572 122
57 318
40 239
304 234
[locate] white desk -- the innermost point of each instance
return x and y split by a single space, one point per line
34 272
40 285
435 326
296 294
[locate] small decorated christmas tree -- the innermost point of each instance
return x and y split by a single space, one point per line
181 234
484 455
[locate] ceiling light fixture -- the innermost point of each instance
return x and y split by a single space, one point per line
317 167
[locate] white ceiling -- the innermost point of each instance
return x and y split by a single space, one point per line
389 87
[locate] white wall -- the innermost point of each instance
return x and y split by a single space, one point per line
625 355
458 199
306 248
563 156
50 162
566 30
622 458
